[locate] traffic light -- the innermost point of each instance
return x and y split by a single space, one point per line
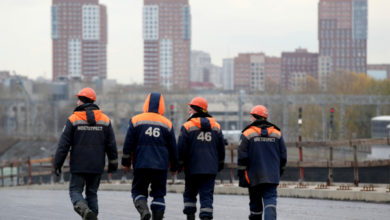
172 108
300 115
331 117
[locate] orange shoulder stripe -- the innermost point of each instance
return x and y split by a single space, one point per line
252 130
100 116
151 117
273 130
78 116
214 123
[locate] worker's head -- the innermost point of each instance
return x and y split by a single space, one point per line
155 103
198 105
259 112
86 95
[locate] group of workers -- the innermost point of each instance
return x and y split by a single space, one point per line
150 147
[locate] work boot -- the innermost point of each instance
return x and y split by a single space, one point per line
157 215
191 217
84 211
142 207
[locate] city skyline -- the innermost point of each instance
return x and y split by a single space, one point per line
238 27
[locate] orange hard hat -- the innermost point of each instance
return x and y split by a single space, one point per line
200 102
87 92
260 110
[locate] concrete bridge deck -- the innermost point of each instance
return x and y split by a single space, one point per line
25 204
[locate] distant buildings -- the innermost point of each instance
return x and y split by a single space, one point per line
249 72
200 66
379 71
298 65
228 74
273 69
79 36
4 75
325 71
342 34
204 74
167 43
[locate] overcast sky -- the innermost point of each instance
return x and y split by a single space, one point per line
222 28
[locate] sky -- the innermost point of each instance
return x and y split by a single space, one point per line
222 28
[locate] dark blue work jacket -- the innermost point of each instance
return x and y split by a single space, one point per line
262 153
88 135
201 146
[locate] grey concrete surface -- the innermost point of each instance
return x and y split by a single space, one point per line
24 204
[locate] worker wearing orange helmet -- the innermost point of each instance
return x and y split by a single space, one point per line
202 153
88 132
261 161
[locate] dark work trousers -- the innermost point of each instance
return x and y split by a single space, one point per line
91 183
262 201
157 179
204 185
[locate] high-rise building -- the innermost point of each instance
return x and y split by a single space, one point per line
228 74
342 34
79 35
167 43
296 65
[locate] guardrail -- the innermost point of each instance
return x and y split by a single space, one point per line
30 169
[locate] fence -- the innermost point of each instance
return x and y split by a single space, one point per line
32 171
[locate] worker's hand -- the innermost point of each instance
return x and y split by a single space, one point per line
242 182
282 170
127 169
57 171
112 167
126 161
180 166
221 165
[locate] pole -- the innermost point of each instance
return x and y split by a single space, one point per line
40 173
29 171
2 176
301 171
18 174
12 174
355 167
231 163
330 175
52 169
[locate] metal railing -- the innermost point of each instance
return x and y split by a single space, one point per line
32 171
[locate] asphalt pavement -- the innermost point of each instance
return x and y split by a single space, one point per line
20 204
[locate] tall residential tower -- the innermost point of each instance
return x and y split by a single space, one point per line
342 34
167 43
79 34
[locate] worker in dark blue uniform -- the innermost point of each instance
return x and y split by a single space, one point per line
202 153
262 158
150 145
89 136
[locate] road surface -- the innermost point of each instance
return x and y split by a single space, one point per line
20 204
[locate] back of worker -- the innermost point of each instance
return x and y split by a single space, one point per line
202 153
261 161
201 145
150 145
89 136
